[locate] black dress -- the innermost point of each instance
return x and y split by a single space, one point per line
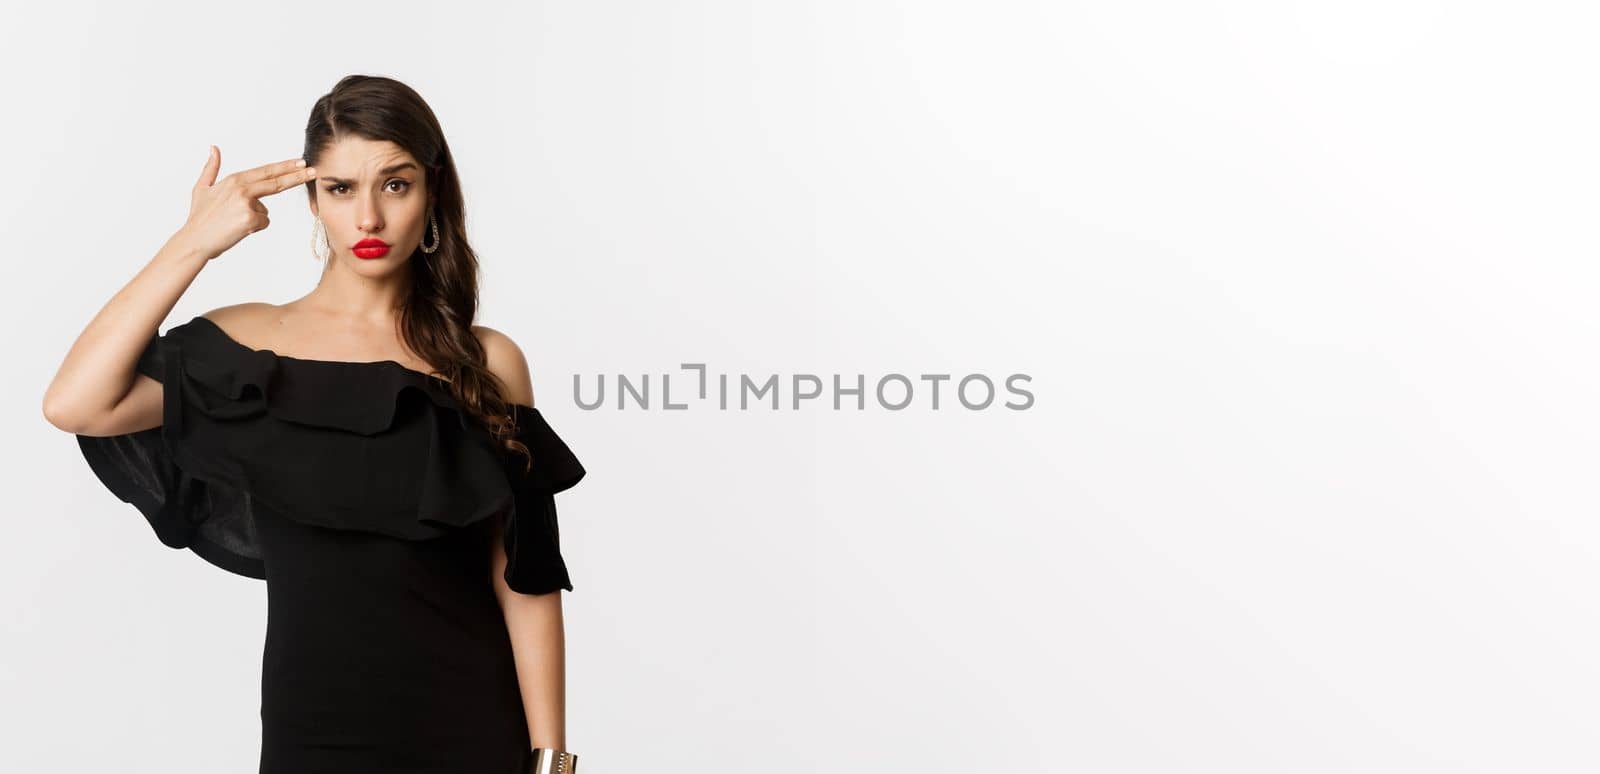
364 495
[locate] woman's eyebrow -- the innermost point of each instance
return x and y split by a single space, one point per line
389 170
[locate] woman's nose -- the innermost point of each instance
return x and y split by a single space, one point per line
371 217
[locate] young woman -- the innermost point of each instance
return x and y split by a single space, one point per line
365 449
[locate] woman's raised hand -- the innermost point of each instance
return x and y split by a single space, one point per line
222 212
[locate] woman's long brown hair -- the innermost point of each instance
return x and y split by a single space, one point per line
436 320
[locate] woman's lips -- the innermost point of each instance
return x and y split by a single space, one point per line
370 248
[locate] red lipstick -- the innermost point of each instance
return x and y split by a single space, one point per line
370 248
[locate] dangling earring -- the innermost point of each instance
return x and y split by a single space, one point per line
435 222
320 247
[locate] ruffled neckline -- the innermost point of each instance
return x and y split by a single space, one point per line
321 461
209 324
367 446
361 396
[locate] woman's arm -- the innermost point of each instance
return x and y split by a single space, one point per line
534 621
96 391
538 644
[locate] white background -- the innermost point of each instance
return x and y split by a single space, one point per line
1306 292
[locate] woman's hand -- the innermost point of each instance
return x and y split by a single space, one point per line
222 212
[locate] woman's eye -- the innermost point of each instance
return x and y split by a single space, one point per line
339 188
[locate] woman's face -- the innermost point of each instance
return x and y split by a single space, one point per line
371 189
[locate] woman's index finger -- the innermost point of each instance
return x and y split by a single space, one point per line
271 170
280 183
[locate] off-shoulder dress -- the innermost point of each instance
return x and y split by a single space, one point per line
364 495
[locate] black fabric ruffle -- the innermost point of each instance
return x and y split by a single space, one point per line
372 446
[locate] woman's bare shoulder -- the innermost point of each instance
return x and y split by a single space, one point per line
505 360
